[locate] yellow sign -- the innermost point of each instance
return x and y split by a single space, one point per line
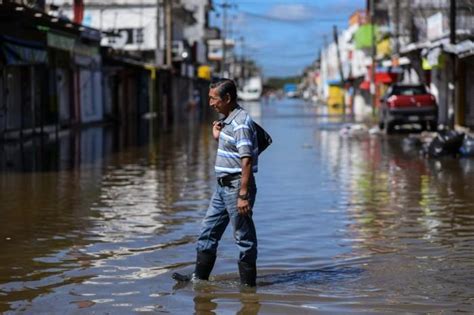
384 47
204 72
335 100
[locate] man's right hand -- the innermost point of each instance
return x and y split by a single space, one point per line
216 129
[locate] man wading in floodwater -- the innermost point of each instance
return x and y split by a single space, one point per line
236 161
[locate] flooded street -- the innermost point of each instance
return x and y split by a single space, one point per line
345 225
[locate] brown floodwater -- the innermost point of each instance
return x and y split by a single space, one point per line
97 222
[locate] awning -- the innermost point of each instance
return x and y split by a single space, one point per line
465 48
402 61
380 77
385 77
414 47
462 49
61 42
21 52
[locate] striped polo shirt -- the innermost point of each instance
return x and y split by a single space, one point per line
237 139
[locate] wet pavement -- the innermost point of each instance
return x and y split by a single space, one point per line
98 223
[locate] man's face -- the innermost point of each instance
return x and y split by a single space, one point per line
217 103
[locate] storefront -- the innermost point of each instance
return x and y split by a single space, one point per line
88 83
23 93
76 78
50 72
467 92
61 49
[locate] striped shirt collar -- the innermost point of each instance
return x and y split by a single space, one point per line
232 114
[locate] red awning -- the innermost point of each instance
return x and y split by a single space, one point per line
380 78
385 77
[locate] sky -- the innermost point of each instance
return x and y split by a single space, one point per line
283 36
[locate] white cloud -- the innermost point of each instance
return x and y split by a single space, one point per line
298 12
292 12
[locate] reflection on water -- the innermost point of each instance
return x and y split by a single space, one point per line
98 220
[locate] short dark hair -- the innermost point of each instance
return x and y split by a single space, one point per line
225 86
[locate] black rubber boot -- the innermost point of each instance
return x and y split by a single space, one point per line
204 264
248 274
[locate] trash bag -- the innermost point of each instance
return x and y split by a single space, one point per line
263 138
411 142
411 145
467 148
353 130
445 143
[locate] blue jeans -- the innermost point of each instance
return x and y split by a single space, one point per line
222 209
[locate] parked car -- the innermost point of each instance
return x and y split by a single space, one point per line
291 90
404 104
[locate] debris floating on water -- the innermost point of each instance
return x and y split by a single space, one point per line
350 130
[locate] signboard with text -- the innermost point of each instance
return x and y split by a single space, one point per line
435 26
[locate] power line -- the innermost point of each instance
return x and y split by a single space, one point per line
225 5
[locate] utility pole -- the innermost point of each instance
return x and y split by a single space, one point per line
224 7
452 22
324 64
141 30
158 53
339 65
452 84
169 33
325 45
372 70
397 27
242 59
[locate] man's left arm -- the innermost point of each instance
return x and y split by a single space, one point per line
244 137
243 204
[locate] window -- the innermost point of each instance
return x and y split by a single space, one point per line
409 90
